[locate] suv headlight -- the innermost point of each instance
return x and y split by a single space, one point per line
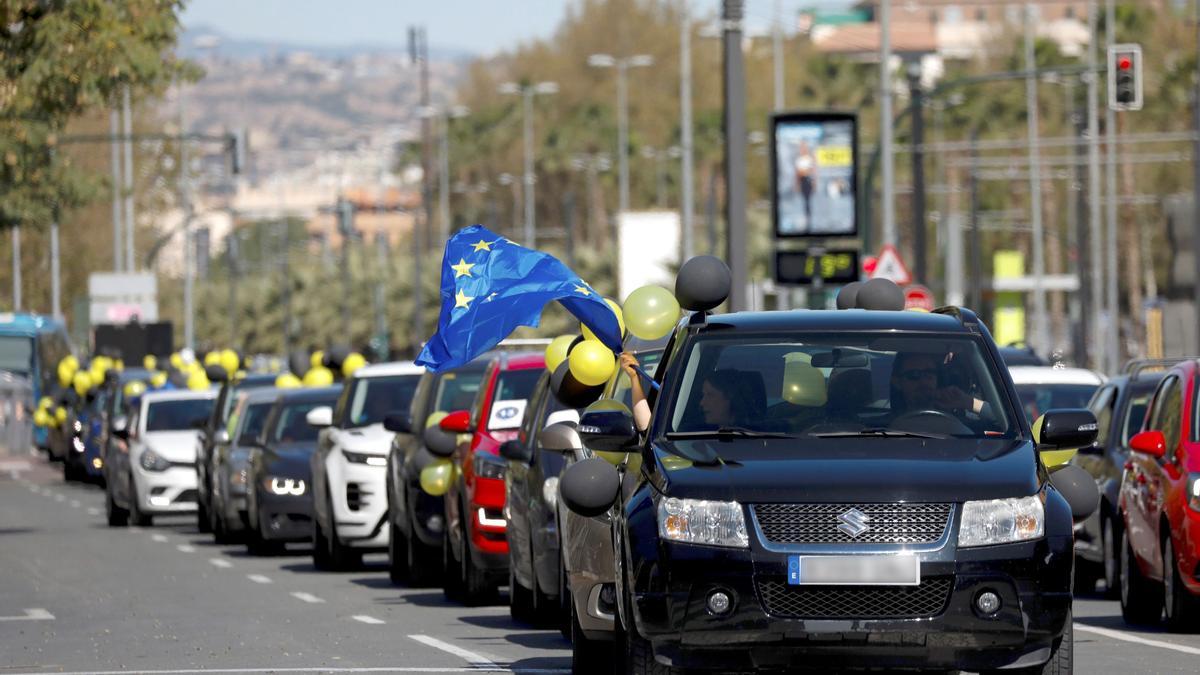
489 466
284 486
697 521
1001 521
364 458
152 461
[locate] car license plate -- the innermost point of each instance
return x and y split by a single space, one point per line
844 570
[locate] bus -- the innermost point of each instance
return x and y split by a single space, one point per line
31 345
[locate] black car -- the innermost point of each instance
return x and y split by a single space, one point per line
208 438
230 462
417 519
836 489
1120 407
536 580
1015 355
279 503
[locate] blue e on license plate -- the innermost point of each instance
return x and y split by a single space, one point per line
844 570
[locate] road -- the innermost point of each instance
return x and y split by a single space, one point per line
79 597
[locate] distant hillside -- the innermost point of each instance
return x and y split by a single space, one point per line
195 41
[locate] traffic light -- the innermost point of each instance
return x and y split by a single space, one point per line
1125 77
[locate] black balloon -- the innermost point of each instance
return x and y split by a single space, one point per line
589 487
439 442
880 294
335 356
1078 488
847 298
702 283
299 362
571 392
216 373
575 343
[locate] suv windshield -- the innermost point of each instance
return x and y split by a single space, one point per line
292 424
16 354
179 415
1038 398
377 397
830 385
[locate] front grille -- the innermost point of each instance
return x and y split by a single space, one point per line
927 599
187 497
357 497
885 523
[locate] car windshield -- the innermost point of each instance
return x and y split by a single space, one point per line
292 427
830 385
375 398
254 418
16 354
1036 399
178 415
456 391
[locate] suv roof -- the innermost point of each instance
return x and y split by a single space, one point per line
309 394
843 319
522 361
388 369
1054 375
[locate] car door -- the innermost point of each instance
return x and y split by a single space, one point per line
1165 480
517 496
1146 485
1094 460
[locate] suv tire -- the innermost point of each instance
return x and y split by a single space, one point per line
589 657
1062 656
1182 608
320 550
117 516
637 652
136 517
1141 598
451 574
476 589
520 599
397 554
426 564
1110 539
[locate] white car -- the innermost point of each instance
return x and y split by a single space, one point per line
154 470
349 468
1042 388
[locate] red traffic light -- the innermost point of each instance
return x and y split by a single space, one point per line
1124 62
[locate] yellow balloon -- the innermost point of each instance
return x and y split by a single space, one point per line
352 363
198 381
435 418
158 379
150 362
71 359
60 415
589 335
118 365
288 381
318 377
315 360
651 312
592 363
82 383
435 477
45 403
135 389
212 358
66 370
556 352
229 360
177 361
240 375
42 418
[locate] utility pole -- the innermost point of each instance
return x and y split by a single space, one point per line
381 325
976 245
118 182
285 264
885 121
732 13
527 92
444 179
16 266
130 263
55 269
185 205
622 66
345 219
1113 332
416 38
687 196
1082 238
1095 220
1041 331
917 112
231 249
777 54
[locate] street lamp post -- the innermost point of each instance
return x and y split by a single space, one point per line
622 65
445 115
527 92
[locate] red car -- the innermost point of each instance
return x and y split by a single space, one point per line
476 545
1160 503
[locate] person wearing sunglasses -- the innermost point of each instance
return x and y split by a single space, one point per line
919 383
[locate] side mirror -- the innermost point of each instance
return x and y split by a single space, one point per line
560 437
216 373
1149 443
590 487
320 417
1066 428
221 437
120 427
1078 488
439 442
515 451
398 423
457 422
607 426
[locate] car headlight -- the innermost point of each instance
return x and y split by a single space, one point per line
1193 493
489 466
152 461
1001 521
697 521
284 486
364 458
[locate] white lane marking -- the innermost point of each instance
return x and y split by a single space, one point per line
93 511
1118 635
368 619
160 538
306 597
259 578
75 503
31 614
223 564
185 548
59 498
321 669
477 660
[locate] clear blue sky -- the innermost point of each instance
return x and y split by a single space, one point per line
480 26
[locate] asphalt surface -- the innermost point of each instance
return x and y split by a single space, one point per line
79 597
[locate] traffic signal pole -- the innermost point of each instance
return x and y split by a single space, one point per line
735 152
1196 184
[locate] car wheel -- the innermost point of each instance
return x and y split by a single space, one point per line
397 554
342 557
1062 656
589 657
1141 598
426 565
545 606
520 599
69 471
638 653
257 545
1112 566
216 523
320 550
476 589
136 517
565 604
117 516
1180 604
203 519
451 572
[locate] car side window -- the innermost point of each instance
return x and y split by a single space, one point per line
339 410
1166 413
533 413
1102 407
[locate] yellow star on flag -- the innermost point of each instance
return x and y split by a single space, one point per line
482 245
462 269
582 289
462 300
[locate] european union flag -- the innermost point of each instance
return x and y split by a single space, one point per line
491 285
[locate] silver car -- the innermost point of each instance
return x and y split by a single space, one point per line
230 461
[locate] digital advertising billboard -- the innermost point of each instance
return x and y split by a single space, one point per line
814 174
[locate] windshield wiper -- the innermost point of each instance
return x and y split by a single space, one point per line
879 433
727 433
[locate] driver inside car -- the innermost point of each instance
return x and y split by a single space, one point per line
920 382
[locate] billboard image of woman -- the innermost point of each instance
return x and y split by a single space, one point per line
814 175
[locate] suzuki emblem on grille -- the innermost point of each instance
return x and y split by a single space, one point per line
853 523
